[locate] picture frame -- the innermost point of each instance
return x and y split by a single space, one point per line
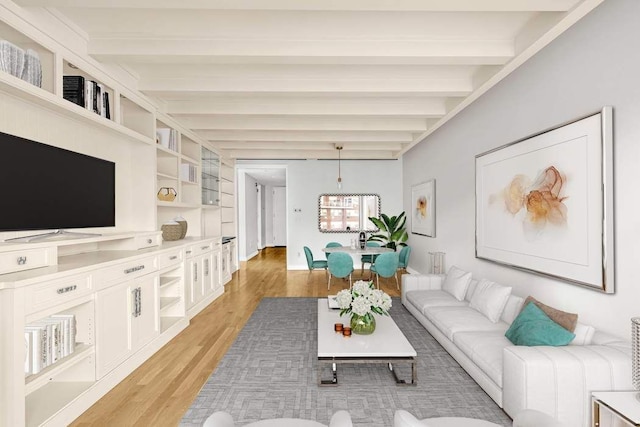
544 204
423 214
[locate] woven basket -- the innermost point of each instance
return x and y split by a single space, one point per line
171 231
167 194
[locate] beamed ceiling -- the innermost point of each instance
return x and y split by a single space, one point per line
291 79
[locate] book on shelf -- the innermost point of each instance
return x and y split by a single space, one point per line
48 340
189 172
87 93
24 64
168 138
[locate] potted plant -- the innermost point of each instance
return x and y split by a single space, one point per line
392 231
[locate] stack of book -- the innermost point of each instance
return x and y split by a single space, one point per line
20 63
47 341
189 172
168 138
86 93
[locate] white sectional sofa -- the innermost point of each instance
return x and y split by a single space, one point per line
554 380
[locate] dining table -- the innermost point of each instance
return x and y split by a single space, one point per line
367 250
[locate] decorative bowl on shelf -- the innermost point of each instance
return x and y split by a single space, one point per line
167 194
171 230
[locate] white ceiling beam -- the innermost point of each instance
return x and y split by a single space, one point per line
319 106
303 123
337 5
442 87
303 136
324 146
385 51
308 154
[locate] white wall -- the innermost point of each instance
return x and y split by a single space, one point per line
247 217
306 180
595 63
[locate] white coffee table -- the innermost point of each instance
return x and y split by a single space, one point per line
386 345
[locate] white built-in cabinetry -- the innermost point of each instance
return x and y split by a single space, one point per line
127 302
129 291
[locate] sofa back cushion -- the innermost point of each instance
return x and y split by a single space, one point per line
584 334
472 288
456 282
490 298
511 309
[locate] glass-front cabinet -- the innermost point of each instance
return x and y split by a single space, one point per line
210 178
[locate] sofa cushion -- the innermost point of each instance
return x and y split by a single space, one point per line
490 298
511 309
456 282
562 318
534 327
584 334
432 298
485 350
451 320
472 288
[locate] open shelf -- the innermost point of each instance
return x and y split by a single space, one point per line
48 400
34 382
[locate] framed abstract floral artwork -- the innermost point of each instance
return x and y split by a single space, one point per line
423 215
545 203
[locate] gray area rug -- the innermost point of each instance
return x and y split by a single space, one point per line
270 371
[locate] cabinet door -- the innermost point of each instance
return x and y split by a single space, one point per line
144 322
195 281
113 327
208 282
226 265
216 270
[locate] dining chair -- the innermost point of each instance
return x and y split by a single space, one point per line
332 245
340 266
403 258
368 259
385 265
314 264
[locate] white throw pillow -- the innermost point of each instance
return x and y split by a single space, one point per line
584 334
456 282
490 299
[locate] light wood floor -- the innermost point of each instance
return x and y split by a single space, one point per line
160 391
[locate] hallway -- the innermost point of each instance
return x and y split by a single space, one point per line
160 391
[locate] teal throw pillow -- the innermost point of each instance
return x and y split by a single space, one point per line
534 327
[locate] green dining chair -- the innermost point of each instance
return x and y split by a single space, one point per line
368 259
385 265
314 264
403 259
340 266
332 245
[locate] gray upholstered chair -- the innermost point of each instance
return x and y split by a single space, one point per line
341 266
223 419
314 264
385 265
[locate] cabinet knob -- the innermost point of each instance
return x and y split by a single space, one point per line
149 241
22 260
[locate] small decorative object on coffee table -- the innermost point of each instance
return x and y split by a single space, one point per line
362 301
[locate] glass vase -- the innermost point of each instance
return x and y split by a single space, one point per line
363 325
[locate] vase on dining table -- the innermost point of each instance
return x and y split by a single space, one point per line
363 325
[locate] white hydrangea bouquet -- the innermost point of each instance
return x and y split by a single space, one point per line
362 301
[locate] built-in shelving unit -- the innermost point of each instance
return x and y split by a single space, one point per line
99 280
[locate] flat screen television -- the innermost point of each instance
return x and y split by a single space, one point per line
50 188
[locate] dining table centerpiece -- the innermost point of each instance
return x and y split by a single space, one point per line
363 301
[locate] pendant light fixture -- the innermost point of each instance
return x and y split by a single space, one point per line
339 148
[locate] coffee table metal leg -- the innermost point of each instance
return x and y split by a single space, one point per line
334 375
413 374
